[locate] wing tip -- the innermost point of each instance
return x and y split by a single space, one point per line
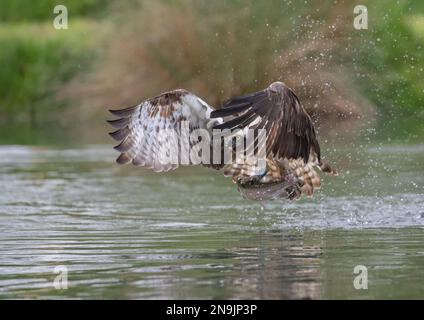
125 112
123 159
120 134
119 123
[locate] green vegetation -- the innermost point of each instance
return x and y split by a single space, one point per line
41 10
340 73
226 48
36 61
393 56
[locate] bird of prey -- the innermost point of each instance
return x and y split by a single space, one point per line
290 148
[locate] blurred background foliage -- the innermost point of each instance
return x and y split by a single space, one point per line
55 85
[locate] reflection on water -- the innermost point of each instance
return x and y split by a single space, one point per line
129 233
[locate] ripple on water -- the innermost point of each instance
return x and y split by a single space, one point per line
129 233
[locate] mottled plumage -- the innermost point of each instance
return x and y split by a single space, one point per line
140 127
291 152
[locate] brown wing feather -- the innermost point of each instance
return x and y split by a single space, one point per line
291 140
141 129
290 131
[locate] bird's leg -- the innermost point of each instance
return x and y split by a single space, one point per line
294 189
294 192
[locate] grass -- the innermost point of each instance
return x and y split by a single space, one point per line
36 60
394 63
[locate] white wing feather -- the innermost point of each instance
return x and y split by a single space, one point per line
144 130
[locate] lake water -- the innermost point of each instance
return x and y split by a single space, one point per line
128 233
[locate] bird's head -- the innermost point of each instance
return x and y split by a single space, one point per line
277 86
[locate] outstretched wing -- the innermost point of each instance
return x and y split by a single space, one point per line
291 143
289 129
150 133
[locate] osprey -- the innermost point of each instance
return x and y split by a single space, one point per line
291 151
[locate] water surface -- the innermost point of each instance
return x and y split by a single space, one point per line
128 233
